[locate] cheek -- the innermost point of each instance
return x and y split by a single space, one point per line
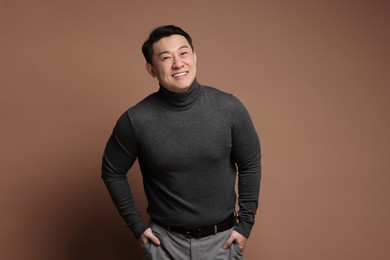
193 62
164 70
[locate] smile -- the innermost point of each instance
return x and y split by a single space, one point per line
180 74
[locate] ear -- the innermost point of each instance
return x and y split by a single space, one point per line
195 57
149 69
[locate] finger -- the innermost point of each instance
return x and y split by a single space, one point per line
154 240
149 236
228 242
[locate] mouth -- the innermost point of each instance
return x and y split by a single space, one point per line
180 74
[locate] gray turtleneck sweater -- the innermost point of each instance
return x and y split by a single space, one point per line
189 147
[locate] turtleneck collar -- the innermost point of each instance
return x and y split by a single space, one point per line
179 101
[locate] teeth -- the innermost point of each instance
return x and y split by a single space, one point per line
179 74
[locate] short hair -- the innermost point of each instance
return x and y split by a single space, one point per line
157 34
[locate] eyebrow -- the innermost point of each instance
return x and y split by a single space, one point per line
165 52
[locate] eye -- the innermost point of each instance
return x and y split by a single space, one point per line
184 53
165 58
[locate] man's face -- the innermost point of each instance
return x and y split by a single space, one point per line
174 63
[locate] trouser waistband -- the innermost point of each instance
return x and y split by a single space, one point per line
199 232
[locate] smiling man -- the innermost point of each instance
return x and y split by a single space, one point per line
173 63
191 142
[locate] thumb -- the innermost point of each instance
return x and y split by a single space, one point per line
228 242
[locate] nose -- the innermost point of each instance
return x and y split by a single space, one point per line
177 63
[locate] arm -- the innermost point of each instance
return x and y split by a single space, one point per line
247 156
119 155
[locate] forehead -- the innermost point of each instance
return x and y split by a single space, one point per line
170 44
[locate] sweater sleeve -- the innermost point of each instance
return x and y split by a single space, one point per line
247 156
119 156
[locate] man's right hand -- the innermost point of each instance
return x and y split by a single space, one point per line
148 235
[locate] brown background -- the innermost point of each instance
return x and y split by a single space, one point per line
313 74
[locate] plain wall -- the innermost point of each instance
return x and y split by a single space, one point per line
314 76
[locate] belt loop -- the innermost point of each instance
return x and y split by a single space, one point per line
215 229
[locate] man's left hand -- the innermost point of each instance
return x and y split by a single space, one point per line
237 238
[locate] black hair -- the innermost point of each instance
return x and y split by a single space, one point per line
157 34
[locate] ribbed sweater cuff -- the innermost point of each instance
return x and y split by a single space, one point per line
138 229
244 228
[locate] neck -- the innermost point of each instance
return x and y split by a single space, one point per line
182 100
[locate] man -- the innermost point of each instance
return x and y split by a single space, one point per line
190 141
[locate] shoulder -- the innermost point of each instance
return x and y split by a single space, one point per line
145 103
217 96
222 98
216 93
138 111
143 106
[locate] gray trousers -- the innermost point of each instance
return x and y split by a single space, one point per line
175 246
